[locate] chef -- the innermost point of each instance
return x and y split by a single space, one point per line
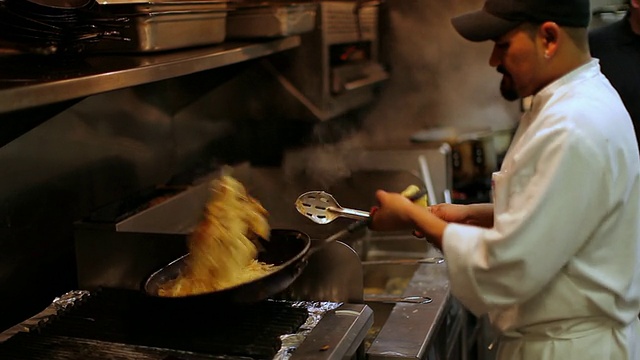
554 260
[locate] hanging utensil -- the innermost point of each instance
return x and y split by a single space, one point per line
426 176
390 299
428 260
322 208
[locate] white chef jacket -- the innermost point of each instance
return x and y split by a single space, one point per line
562 261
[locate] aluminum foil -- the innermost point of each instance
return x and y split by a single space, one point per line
58 304
316 310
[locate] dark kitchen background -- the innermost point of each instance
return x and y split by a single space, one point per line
61 162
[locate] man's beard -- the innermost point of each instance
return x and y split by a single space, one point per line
507 89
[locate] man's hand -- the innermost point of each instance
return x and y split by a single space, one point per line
396 212
393 212
474 214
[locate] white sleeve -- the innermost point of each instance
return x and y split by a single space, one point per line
547 204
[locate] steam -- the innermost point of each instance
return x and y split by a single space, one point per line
323 165
437 79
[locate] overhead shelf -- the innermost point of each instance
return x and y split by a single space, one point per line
27 81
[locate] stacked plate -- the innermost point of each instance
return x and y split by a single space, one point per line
55 26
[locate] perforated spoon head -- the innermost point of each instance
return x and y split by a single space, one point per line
315 205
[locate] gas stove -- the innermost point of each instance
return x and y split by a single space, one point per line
114 324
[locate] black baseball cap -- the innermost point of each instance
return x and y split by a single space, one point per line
497 17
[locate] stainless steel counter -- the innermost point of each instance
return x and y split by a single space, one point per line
28 81
440 329
412 330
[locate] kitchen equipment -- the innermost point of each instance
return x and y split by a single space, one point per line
476 154
265 20
287 249
70 27
426 177
322 208
122 243
166 25
398 299
428 260
336 68
70 4
108 324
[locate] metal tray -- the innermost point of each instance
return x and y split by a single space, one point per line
271 21
130 6
168 30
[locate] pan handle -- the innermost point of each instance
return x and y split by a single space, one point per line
342 234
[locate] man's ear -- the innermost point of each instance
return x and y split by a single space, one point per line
549 33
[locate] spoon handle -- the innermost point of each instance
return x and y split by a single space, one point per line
350 213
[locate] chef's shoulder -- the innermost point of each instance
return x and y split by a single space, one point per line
590 118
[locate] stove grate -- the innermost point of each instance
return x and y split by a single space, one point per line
119 321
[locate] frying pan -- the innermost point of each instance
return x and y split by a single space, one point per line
288 249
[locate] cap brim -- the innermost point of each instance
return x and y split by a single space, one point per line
482 26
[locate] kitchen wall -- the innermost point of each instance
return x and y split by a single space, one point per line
438 80
114 145
108 147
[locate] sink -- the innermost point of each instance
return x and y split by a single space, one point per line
382 276
383 281
387 279
389 246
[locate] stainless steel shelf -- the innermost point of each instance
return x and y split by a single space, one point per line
28 81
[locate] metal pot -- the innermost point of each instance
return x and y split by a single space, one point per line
476 153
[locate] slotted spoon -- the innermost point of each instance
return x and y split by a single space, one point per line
322 208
